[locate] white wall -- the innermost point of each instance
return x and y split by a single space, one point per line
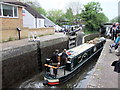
40 23
28 20
57 28
31 22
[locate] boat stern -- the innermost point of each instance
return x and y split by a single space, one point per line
52 81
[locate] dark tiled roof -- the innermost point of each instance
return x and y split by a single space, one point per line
33 11
13 2
9 0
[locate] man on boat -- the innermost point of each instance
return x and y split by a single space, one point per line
54 59
64 58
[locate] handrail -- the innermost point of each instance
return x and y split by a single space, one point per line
47 65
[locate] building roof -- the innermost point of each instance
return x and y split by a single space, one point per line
9 0
48 22
27 7
15 2
33 11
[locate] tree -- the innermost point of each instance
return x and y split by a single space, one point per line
40 10
55 15
36 6
75 6
116 19
93 16
69 15
119 19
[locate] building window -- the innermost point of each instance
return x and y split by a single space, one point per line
39 23
8 10
15 11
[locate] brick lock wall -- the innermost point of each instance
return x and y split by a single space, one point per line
90 37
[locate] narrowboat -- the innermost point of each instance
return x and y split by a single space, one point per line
77 56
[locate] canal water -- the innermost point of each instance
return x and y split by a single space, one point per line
79 81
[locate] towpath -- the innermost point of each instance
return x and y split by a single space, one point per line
103 75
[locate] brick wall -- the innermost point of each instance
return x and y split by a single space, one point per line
43 31
13 23
8 28
13 33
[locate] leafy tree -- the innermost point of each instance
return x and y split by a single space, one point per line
69 16
55 15
116 19
75 6
40 10
92 16
102 18
119 19
37 7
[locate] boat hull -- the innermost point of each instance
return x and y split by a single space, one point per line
75 69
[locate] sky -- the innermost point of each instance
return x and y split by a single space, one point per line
110 7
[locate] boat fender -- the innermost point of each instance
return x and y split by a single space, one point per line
45 82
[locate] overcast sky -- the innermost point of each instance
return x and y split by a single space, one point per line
110 7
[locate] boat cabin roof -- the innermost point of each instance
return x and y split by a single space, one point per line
79 49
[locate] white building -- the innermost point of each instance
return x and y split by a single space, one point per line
31 18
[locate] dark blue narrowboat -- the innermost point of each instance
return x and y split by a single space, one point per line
76 58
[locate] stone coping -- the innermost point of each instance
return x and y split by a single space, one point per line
103 75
